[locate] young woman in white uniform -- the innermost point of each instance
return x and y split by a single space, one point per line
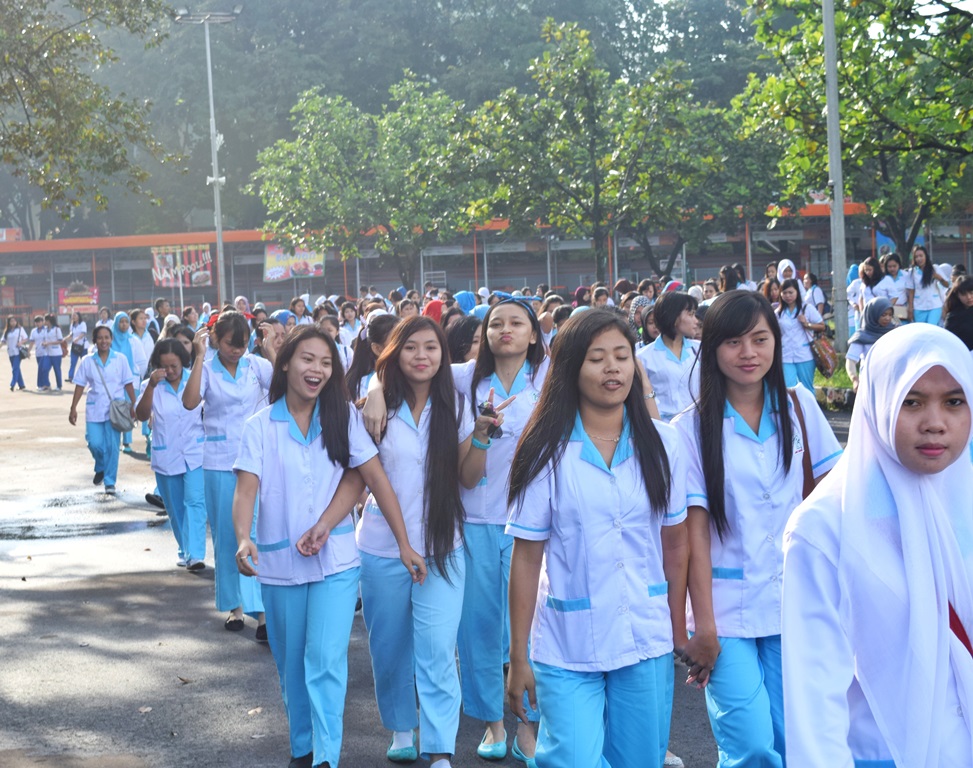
293 454
234 386
37 338
78 335
426 452
177 458
367 350
898 282
873 282
597 512
670 360
107 376
878 572
927 292
797 325
746 454
15 337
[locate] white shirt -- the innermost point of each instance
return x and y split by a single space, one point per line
815 296
39 335
884 289
147 344
403 452
14 340
675 380
795 344
298 480
487 503
856 351
79 334
854 293
348 333
602 596
930 296
898 288
749 561
53 334
229 403
177 433
345 355
117 373
829 722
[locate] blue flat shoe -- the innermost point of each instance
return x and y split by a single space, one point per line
495 751
521 757
404 754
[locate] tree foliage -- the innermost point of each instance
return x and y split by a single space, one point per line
347 174
906 90
60 130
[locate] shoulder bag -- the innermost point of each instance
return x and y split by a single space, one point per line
806 459
120 410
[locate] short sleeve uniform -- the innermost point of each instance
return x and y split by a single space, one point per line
602 597
229 402
38 336
487 502
898 288
298 480
117 373
177 433
930 296
404 454
675 379
795 342
748 563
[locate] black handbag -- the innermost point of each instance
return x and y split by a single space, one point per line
78 350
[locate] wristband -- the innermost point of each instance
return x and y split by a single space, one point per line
649 395
482 446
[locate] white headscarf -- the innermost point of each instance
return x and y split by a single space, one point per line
784 264
906 550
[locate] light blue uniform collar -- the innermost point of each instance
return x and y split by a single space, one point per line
241 366
519 382
768 424
686 349
279 412
112 354
405 413
590 454
182 382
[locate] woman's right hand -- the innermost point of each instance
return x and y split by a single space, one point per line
700 654
520 678
374 414
73 417
201 341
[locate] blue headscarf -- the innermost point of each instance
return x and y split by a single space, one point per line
283 315
466 300
122 342
852 274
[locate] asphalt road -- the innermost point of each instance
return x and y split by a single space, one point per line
111 656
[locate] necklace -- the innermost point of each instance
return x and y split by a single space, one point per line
606 439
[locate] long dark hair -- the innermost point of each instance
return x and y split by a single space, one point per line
729 278
444 508
730 316
363 361
460 337
668 308
927 269
486 362
549 427
953 303
877 272
333 399
790 282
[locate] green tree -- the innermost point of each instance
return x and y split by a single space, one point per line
348 173
60 130
906 89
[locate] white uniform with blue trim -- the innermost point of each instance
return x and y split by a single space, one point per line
297 482
675 380
177 433
601 600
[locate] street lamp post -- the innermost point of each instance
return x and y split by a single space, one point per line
183 16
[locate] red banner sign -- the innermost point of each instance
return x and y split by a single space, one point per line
187 265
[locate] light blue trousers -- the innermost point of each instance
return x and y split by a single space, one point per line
800 372
412 639
484 627
616 719
232 589
745 701
309 627
185 499
931 316
103 444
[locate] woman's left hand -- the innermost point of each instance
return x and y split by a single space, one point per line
414 563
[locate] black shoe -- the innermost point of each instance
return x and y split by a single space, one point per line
233 624
301 762
110 490
99 476
155 500
357 605
261 635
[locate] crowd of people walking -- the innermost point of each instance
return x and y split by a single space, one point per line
562 494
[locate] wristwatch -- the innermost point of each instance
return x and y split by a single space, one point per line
650 395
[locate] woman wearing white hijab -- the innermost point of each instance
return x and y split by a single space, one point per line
878 570
787 269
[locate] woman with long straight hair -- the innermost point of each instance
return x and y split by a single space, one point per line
599 563
234 386
878 572
798 322
958 310
430 446
753 448
873 282
368 347
928 285
178 456
305 457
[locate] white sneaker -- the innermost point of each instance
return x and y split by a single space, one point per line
672 761
195 565
182 562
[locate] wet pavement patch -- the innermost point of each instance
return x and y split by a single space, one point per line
73 515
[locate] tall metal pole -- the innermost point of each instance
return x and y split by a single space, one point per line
215 179
836 182
548 240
